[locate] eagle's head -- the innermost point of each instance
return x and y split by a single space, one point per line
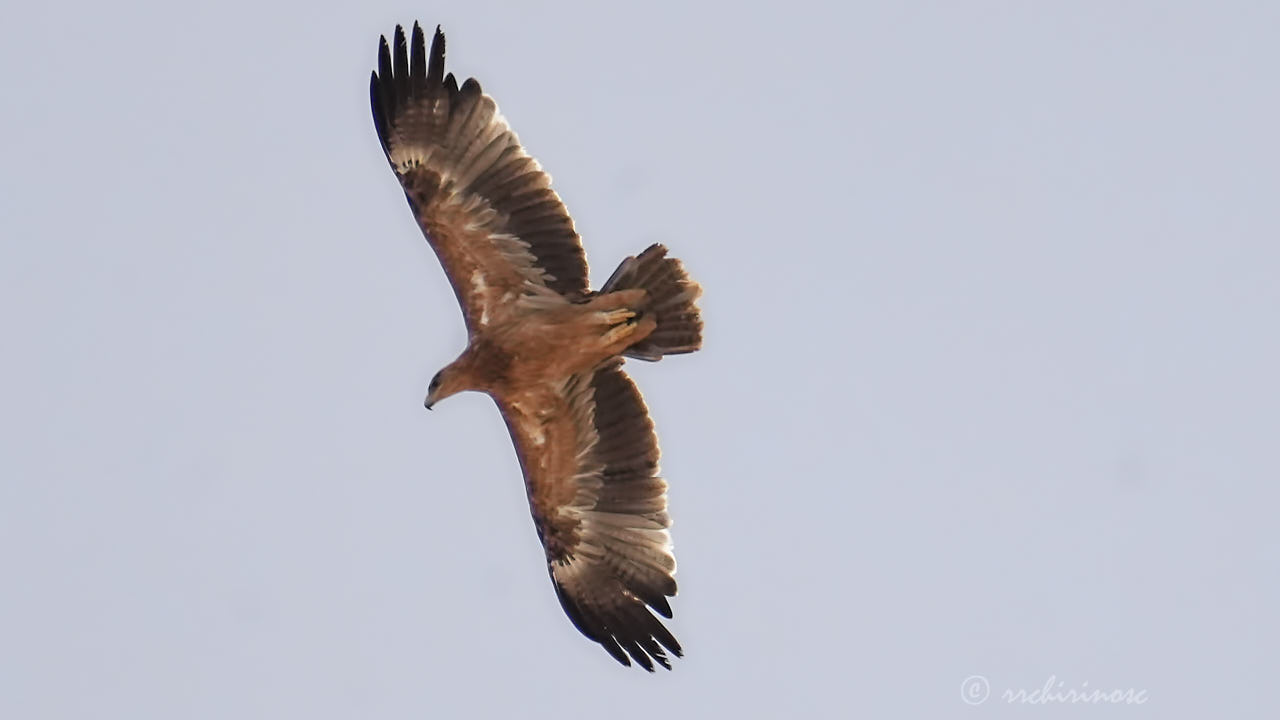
434 395
449 381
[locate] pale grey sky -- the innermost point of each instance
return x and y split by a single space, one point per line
989 387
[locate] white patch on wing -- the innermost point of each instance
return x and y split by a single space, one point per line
407 156
478 286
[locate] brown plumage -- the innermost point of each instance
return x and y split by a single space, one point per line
544 346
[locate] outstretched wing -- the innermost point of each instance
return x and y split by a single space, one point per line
486 207
590 461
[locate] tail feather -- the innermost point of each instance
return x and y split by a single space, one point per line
672 297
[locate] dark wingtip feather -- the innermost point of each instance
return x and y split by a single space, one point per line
471 86
379 117
380 95
613 648
384 58
655 651
660 605
638 654
664 636
417 59
435 68
400 64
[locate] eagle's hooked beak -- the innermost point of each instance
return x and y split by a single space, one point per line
432 389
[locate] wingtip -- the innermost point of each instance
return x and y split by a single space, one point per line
377 97
615 651
435 64
384 58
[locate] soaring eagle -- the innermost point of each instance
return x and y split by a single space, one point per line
547 348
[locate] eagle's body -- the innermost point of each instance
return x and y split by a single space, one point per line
544 346
548 341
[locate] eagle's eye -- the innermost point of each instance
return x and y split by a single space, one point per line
435 383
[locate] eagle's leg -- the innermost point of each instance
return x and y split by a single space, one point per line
617 317
625 334
621 312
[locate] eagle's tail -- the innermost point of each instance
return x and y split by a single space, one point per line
672 300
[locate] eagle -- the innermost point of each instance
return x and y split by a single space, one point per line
547 348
